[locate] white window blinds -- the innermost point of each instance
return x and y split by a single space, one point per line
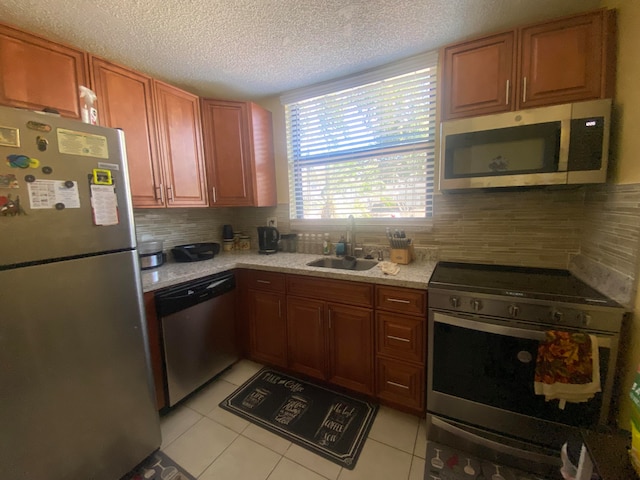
364 145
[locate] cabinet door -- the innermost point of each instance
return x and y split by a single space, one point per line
155 348
477 77
350 334
227 152
36 73
126 102
268 327
305 332
180 141
562 61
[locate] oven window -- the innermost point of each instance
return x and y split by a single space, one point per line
504 151
498 371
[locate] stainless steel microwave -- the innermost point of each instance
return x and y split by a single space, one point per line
557 145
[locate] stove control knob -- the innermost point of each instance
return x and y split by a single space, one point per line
514 310
454 301
476 305
584 319
557 315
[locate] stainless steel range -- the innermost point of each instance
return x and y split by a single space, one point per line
485 326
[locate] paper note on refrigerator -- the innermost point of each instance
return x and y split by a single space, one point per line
53 194
105 205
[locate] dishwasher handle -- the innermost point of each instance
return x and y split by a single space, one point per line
174 299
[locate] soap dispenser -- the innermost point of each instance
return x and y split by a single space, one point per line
341 246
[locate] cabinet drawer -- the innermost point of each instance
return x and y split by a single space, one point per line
338 291
268 281
404 300
400 383
400 336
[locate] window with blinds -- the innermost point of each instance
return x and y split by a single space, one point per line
364 146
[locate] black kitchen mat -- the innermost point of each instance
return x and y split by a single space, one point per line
330 424
158 466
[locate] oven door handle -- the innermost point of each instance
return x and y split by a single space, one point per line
483 326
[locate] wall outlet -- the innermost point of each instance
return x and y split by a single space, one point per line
272 222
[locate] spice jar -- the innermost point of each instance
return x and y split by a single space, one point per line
245 242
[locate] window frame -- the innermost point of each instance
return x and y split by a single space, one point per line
408 65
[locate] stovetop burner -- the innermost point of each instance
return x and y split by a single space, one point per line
520 282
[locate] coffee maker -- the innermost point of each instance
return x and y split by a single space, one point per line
268 238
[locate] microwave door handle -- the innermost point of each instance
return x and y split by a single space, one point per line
565 136
529 334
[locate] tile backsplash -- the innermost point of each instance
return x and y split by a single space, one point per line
592 229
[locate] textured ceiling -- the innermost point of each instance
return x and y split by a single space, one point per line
248 49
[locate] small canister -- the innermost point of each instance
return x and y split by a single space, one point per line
245 242
227 245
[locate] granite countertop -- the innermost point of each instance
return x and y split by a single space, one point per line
414 275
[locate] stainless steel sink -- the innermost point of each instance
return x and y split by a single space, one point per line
343 263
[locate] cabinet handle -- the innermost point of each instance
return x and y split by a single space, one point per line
279 309
392 337
213 193
507 96
397 385
524 90
397 300
170 192
320 317
329 318
161 187
264 281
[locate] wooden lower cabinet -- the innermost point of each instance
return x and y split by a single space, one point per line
400 383
400 347
350 347
268 327
305 327
331 342
155 348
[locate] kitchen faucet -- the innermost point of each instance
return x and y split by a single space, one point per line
351 236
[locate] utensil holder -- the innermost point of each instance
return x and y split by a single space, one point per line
402 256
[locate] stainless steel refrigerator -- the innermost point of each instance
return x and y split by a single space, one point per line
76 397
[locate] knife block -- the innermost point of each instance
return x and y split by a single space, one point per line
402 256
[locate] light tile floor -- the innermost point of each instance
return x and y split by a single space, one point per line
213 444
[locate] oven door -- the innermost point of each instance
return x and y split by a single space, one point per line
481 372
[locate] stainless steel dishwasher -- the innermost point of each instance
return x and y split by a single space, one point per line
198 332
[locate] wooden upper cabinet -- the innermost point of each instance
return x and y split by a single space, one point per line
180 143
126 102
478 77
36 73
238 139
565 60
